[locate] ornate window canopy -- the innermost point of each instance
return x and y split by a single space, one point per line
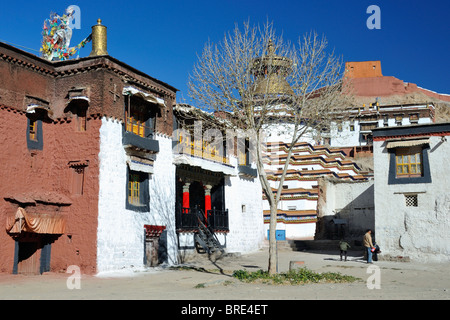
132 91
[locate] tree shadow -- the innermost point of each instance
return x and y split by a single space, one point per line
216 267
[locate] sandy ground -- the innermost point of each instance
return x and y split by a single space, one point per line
204 279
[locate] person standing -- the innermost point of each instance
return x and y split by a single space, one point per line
367 242
343 246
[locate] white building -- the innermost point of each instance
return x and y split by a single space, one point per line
213 181
136 188
162 226
297 209
412 193
358 130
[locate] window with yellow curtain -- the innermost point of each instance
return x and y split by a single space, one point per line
139 117
135 123
408 162
137 197
32 130
134 189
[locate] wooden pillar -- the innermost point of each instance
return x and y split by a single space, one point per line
207 200
186 195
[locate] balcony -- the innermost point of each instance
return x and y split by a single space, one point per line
139 126
134 141
201 149
187 220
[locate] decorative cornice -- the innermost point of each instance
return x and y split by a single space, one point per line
12 109
75 66
325 163
313 175
436 129
26 64
304 147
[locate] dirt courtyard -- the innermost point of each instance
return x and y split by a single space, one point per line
204 279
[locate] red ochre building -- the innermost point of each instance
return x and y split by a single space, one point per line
50 117
89 176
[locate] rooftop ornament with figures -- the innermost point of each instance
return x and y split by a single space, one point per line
56 36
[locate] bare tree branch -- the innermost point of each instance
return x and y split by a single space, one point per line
260 82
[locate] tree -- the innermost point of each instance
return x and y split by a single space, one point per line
262 82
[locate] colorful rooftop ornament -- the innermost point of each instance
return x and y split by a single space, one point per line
57 34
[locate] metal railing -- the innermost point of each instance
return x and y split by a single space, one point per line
187 219
218 220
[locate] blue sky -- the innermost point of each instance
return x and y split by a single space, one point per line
162 38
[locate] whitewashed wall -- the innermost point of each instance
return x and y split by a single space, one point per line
294 231
302 204
243 199
349 200
422 232
121 237
162 194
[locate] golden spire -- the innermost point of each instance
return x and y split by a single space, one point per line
271 71
98 39
270 48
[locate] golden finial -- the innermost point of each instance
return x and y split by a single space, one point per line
98 39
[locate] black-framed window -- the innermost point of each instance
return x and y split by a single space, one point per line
408 162
137 191
81 114
34 132
409 165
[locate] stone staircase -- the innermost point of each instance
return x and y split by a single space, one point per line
205 239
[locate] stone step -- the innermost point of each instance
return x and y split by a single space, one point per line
314 245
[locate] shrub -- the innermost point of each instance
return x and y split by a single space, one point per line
298 276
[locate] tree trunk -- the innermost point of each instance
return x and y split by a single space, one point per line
273 252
